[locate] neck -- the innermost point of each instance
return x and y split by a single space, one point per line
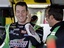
21 23
55 22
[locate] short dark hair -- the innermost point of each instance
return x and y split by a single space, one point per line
34 18
56 11
22 4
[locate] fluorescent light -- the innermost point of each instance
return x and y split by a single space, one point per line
37 5
4 5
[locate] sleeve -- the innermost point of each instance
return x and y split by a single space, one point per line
51 43
34 37
39 31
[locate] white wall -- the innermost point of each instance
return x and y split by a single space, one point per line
46 31
4 3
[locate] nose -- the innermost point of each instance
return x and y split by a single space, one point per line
20 13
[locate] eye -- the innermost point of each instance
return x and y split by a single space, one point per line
23 11
17 11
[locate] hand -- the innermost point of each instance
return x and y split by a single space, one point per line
24 32
15 47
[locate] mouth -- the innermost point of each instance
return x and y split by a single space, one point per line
20 17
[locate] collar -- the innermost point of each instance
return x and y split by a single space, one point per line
58 24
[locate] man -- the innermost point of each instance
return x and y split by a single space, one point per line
22 34
38 29
54 16
34 19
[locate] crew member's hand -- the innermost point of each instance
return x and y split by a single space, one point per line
23 32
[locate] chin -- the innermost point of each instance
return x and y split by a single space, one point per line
50 25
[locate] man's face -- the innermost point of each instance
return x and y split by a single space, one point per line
21 13
48 18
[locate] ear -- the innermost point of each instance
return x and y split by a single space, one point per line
15 13
51 17
27 13
28 17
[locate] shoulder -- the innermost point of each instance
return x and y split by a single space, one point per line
13 25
